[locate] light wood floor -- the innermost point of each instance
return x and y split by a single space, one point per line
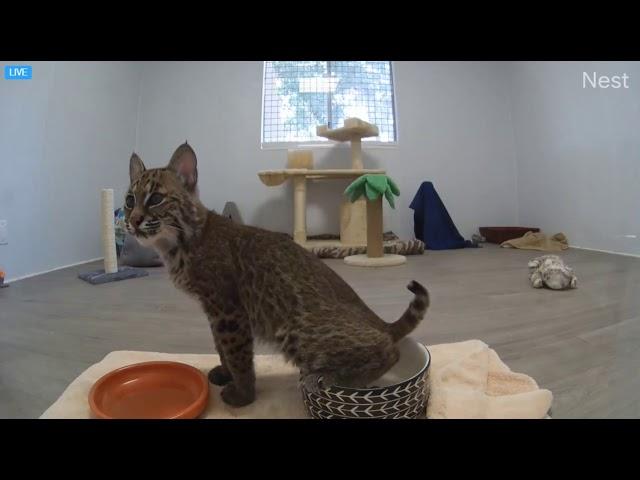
583 345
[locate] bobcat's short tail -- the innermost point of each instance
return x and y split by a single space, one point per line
412 315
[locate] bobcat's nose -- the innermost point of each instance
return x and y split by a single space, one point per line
136 220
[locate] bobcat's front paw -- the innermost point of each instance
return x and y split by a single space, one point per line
315 382
232 395
312 383
537 282
574 281
219 375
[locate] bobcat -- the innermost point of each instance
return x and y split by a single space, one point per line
254 283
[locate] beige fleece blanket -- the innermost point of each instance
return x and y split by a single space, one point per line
468 380
538 241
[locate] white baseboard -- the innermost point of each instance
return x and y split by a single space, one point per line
15 279
606 251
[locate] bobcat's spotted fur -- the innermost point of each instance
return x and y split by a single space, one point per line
256 283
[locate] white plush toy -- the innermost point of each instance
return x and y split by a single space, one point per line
550 271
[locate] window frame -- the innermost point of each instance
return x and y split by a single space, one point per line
329 143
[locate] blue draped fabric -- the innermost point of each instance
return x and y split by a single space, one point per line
432 223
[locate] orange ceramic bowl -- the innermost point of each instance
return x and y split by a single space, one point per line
150 390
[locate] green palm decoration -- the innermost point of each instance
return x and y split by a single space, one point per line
373 185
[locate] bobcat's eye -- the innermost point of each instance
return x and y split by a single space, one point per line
155 199
130 201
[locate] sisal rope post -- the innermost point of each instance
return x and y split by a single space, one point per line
108 232
300 209
375 247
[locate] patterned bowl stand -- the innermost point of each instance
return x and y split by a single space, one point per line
407 400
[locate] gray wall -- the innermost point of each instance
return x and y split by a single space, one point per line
454 129
578 153
62 135
504 143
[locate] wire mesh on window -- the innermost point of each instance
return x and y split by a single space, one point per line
299 96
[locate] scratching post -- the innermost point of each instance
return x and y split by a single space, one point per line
374 228
300 159
299 210
108 232
111 271
372 188
356 154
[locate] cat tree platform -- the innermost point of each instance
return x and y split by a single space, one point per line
273 178
353 128
352 216
354 131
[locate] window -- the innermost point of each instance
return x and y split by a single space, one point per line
299 96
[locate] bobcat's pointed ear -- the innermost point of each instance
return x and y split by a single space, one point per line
136 167
185 164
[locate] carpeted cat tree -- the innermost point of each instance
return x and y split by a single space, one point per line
352 239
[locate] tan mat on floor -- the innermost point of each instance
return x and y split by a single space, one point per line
468 380
538 241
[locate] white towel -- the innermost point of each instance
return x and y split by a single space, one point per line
468 380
